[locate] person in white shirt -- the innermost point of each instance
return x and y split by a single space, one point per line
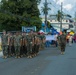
70 40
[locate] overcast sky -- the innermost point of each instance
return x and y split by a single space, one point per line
69 6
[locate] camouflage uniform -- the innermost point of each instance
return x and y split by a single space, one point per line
58 41
34 47
11 45
4 39
17 45
62 43
38 44
29 39
42 38
23 45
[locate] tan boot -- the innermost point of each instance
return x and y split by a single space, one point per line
5 57
30 56
18 56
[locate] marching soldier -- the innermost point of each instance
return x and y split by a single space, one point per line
4 39
42 38
23 51
36 43
25 44
34 46
11 45
17 45
29 39
22 45
62 42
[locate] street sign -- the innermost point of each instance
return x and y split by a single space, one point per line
28 29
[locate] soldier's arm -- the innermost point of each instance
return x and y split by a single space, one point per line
8 40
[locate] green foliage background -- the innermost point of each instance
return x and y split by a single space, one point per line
17 13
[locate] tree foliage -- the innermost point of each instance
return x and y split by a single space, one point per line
46 8
17 13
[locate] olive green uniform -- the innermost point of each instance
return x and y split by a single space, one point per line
17 44
29 39
4 39
62 42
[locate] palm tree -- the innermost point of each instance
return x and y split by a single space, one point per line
45 10
59 15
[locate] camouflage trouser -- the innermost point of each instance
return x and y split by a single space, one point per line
9 50
5 50
23 50
42 45
17 50
63 45
29 49
35 49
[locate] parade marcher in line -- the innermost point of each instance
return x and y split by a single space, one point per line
22 45
25 45
42 39
70 40
58 40
75 38
23 51
17 45
38 44
47 43
35 44
10 44
11 49
56 44
62 42
67 37
29 39
4 39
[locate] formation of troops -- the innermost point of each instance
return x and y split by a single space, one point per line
21 44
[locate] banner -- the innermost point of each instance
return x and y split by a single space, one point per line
50 37
27 29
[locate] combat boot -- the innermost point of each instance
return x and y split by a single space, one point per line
18 56
30 56
5 57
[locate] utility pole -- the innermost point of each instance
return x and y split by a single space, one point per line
45 15
61 16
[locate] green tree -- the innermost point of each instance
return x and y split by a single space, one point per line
17 13
58 15
49 24
45 10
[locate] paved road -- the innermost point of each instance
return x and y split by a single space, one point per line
48 62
